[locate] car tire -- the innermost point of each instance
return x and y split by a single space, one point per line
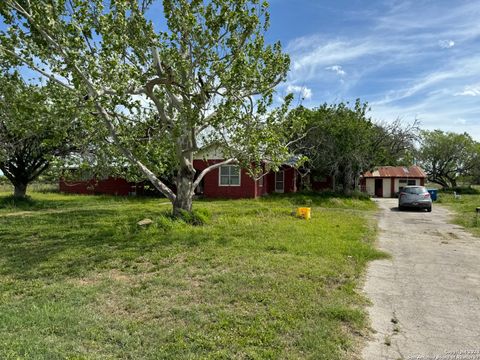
429 209
400 208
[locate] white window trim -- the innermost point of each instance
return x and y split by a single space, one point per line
229 185
283 181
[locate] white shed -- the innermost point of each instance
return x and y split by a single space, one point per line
387 181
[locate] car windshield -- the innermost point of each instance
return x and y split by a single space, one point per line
415 190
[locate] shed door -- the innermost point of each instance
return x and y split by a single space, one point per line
379 187
280 181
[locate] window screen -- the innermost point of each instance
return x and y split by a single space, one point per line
229 175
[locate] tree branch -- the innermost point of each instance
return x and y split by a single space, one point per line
208 169
59 48
130 156
37 69
159 106
38 171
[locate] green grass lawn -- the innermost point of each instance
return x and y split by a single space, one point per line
80 279
465 209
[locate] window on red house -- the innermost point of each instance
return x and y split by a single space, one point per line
229 175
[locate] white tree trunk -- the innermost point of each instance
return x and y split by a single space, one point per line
184 199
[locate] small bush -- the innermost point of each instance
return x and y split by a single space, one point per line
360 195
196 217
301 199
165 223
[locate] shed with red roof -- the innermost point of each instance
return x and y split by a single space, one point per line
387 181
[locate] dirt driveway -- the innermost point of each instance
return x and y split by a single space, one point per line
426 298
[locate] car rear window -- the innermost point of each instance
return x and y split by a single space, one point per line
415 190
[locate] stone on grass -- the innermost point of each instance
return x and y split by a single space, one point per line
145 222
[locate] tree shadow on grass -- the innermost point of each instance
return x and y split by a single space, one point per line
34 204
13 202
55 245
37 202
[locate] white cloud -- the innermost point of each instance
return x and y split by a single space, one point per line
440 81
305 92
314 52
446 44
337 69
461 19
420 85
435 111
472 90
400 65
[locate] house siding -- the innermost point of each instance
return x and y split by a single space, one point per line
248 187
370 186
109 186
290 180
391 186
387 188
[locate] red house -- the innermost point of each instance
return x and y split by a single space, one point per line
230 181
108 186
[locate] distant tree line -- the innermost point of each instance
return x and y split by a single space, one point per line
343 142
449 157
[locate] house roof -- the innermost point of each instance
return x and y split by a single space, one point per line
396 171
293 160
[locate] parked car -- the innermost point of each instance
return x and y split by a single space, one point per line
414 197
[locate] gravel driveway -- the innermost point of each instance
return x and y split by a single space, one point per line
426 298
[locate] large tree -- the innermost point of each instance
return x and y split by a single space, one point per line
208 76
37 124
446 156
394 142
342 141
337 141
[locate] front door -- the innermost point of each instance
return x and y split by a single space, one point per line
279 181
379 187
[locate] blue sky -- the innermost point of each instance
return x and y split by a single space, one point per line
408 59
